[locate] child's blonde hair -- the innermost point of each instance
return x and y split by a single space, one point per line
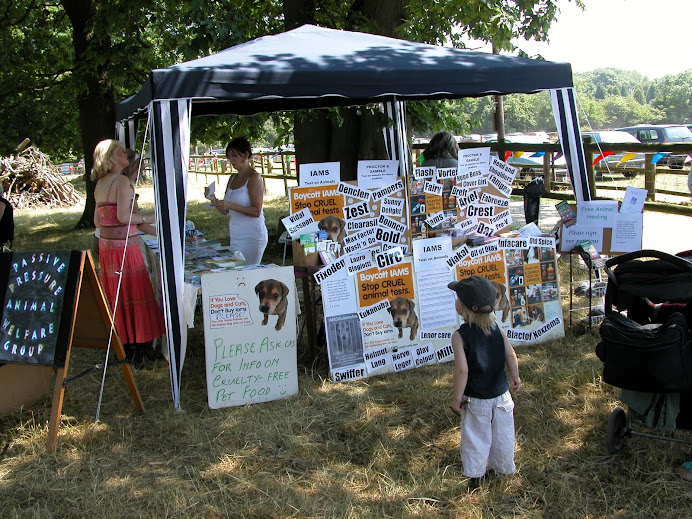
486 322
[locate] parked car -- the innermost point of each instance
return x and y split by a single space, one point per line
614 137
526 162
665 134
66 169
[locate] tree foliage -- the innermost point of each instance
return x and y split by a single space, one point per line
138 35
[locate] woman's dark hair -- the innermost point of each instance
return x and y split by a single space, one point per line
241 145
443 145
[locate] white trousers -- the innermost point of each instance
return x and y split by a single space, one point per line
487 436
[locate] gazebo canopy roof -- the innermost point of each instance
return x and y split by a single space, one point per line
315 67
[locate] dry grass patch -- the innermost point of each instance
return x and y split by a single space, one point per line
381 447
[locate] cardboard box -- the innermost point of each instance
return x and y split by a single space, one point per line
23 385
300 259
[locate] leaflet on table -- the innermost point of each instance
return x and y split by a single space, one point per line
373 174
318 174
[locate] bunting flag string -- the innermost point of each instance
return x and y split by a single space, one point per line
601 157
657 156
626 157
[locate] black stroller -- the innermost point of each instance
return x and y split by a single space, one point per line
647 353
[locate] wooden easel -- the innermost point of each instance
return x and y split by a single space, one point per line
90 328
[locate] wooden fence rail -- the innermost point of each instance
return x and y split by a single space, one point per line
281 165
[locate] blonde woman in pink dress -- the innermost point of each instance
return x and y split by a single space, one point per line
138 316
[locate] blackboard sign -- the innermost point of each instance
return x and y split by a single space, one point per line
38 304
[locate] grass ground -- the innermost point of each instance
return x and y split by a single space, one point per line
380 447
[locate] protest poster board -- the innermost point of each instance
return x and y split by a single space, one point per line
250 336
524 272
387 307
471 198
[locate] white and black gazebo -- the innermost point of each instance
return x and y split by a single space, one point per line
313 67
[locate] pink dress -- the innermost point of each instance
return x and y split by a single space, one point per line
138 318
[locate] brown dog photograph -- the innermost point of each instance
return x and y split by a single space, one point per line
335 227
273 300
501 301
404 315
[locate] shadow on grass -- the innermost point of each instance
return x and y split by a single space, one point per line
380 447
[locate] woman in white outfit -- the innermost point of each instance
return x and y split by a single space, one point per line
243 202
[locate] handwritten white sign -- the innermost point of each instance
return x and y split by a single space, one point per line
250 336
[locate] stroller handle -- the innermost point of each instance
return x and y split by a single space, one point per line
649 253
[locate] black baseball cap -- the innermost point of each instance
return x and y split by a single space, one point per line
476 293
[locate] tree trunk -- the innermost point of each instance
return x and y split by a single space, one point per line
356 136
96 102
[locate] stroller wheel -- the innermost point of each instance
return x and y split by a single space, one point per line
617 429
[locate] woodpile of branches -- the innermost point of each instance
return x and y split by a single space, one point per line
30 180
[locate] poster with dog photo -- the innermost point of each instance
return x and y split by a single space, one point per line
387 213
388 308
325 203
249 336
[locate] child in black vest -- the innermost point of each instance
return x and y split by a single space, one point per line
481 386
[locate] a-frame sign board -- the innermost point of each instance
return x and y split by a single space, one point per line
53 302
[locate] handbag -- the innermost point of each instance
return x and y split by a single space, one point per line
651 358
